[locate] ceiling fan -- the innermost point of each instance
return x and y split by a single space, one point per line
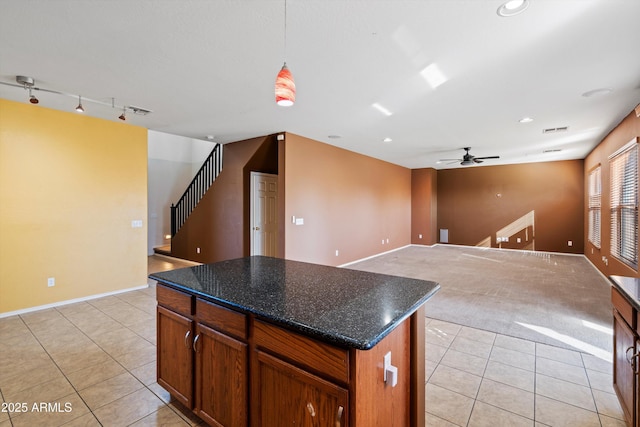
469 159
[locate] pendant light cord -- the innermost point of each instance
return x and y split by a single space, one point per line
285 31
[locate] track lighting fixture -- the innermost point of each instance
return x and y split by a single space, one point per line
79 108
32 98
285 86
28 84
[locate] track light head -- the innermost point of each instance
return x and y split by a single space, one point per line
79 108
122 117
32 98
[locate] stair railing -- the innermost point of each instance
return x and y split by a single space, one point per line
207 174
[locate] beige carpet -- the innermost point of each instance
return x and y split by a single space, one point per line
554 299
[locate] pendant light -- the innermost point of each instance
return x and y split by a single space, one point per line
123 116
285 86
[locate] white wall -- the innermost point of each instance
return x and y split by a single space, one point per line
172 163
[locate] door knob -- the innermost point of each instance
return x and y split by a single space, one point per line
257 228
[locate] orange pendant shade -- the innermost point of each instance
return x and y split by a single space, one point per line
285 88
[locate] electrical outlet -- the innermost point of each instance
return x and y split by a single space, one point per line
337 252
570 243
51 281
419 236
197 250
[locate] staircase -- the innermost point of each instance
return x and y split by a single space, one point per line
208 173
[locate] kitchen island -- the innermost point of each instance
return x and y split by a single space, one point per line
263 341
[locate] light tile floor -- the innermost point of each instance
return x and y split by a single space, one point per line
478 378
93 363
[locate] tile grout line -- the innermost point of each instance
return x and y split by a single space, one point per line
118 362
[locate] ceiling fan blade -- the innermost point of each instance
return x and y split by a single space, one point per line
477 160
450 160
488 157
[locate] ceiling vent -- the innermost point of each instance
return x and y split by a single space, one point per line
139 110
552 150
555 130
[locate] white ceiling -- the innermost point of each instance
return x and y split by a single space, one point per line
208 68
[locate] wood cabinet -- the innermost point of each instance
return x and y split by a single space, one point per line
214 359
221 378
288 395
626 349
175 357
203 368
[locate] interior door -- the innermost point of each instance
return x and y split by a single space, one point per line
264 214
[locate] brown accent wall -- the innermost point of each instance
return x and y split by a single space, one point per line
424 206
475 202
349 202
219 226
627 130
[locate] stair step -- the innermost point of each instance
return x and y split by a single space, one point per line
163 250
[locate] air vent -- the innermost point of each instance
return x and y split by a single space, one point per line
139 110
555 130
553 150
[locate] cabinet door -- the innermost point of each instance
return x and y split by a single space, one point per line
624 378
289 396
175 355
221 378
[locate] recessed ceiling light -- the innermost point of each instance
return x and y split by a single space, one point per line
382 109
387 139
210 137
597 92
512 8
526 120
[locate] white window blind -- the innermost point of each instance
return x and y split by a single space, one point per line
624 204
595 203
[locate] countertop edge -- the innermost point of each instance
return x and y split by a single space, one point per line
616 283
334 339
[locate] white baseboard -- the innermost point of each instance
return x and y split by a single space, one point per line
373 256
71 301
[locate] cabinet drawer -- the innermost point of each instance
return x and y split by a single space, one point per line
317 356
623 307
221 318
177 301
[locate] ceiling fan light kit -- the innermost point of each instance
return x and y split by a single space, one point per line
469 159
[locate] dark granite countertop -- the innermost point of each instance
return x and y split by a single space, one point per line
345 307
629 287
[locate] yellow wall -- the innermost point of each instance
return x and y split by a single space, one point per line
70 185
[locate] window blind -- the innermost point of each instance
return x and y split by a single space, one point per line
595 203
624 204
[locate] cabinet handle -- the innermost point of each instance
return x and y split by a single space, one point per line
195 343
634 365
186 339
339 416
626 355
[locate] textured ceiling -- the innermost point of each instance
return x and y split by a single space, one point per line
208 68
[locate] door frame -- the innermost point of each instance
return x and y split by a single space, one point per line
252 204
